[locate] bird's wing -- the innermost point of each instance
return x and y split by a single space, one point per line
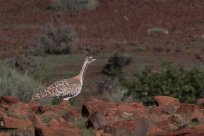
62 88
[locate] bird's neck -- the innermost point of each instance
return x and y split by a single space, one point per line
83 71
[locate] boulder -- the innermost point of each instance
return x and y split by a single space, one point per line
10 122
47 116
190 112
61 123
166 125
141 127
71 114
92 105
9 100
97 120
169 109
198 115
166 100
99 132
19 110
130 107
4 134
154 130
56 131
120 128
200 103
137 127
24 132
57 127
186 108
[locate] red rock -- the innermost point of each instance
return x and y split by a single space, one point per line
130 108
200 102
99 132
71 114
24 132
141 127
4 134
136 104
97 120
47 116
56 131
54 123
137 127
106 134
187 108
190 111
166 100
34 106
120 128
201 127
169 109
10 122
163 117
166 125
179 121
111 112
92 105
9 99
127 115
37 121
19 110
61 123
2 113
197 114
154 130
65 104
44 108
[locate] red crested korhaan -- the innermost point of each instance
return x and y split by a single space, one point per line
65 88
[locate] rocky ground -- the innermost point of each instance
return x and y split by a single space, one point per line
168 117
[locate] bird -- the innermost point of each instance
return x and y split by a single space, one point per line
65 88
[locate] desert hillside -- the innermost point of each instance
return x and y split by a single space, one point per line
147 80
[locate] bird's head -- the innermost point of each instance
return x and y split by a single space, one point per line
90 59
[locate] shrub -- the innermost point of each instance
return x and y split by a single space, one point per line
55 39
186 85
15 84
115 64
109 85
24 63
73 5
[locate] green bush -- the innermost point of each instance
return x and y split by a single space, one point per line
55 39
73 5
186 85
15 84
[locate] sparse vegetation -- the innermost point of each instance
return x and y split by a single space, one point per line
15 84
24 63
110 86
73 5
88 132
115 64
55 39
81 123
186 85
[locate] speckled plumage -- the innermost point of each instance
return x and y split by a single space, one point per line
61 89
65 88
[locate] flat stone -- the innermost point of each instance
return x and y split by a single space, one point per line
10 122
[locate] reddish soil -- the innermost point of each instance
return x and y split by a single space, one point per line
112 23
